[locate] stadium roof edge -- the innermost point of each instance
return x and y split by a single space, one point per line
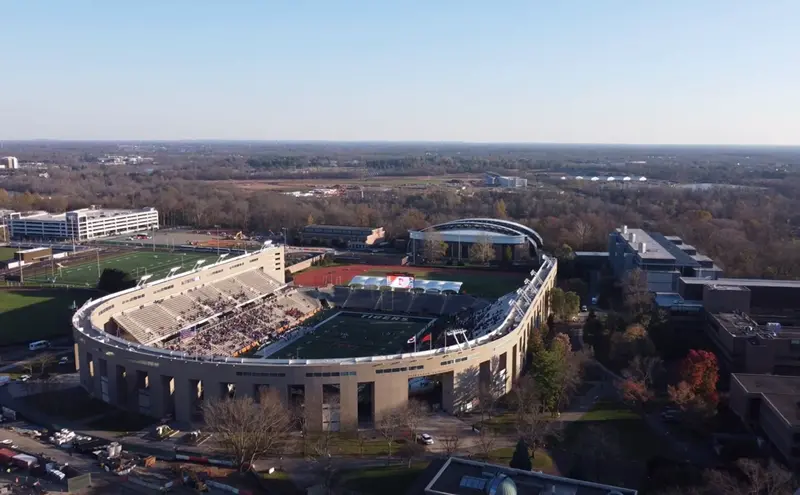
491 224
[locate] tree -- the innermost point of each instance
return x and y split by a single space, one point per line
434 248
583 232
247 429
636 296
636 387
754 478
500 209
633 342
534 427
450 442
486 440
389 426
520 459
114 280
557 300
413 414
361 440
482 250
43 361
572 305
410 450
697 387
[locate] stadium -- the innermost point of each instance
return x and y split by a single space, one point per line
342 354
511 241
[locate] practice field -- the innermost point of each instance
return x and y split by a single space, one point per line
7 253
349 334
28 315
481 283
136 263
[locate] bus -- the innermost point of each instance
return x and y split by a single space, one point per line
39 344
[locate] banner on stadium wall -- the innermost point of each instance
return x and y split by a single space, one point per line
400 281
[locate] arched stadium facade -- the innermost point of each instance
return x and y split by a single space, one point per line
120 363
512 241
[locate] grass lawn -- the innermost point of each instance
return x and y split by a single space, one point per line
541 460
28 315
383 480
343 444
351 335
7 253
137 264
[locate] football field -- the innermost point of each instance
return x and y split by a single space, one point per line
351 334
137 264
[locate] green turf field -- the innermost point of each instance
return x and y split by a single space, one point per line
136 263
349 334
487 283
7 253
28 315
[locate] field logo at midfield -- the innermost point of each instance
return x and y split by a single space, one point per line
384 317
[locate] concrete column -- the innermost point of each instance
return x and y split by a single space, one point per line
313 403
391 392
448 393
156 388
184 398
100 371
82 364
348 404
116 383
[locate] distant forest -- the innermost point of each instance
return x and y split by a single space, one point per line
750 230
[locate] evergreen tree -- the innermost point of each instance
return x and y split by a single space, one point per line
520 459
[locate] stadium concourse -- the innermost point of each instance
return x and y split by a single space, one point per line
167 345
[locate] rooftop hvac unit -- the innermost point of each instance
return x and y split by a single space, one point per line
642 247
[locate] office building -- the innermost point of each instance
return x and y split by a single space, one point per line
467 477
9 162
81 225
770 405
664 260
341 236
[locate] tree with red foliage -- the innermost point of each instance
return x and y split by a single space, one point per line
697 387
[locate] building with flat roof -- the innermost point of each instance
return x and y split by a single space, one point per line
9 162
341 236
664 260
764 294
755 343
459 476
493 179
770 404
80 225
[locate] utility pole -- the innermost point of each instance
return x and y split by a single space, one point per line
98 263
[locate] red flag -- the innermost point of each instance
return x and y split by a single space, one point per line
426 338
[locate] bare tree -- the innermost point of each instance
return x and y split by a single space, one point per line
450 442
361 440
389 426
771 479
637 297
482 250
434 247
410 450
413 414
533 424
248 429
486 441
42 361
583 231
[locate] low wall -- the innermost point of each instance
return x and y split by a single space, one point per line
305 264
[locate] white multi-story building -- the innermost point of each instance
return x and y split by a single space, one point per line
81 225
9 162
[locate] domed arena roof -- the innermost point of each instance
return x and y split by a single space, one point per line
501 485
491 225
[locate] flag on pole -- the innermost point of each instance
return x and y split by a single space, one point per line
413 340
426 338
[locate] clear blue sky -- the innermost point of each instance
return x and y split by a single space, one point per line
585 71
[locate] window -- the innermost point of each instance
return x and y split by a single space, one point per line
249 373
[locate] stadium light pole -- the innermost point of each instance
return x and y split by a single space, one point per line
97 252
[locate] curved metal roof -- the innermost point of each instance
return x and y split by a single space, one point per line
492 225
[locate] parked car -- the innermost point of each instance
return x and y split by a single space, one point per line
63 360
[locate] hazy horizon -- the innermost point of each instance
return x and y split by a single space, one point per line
518 73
